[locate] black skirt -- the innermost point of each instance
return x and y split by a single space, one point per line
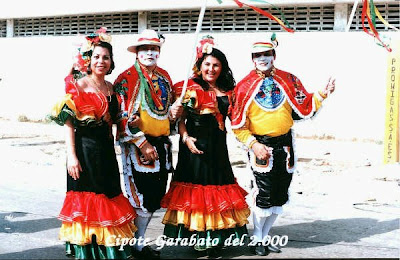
213 166
95 151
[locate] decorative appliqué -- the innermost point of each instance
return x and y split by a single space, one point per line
289 168
120 88
264 166
300 96
270 96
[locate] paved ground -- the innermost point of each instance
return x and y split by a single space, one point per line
344 203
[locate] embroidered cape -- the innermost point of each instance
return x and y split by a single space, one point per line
129 85
299 99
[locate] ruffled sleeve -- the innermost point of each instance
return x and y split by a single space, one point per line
63 110
196 99
83 108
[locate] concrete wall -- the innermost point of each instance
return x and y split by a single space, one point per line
32 71
41 8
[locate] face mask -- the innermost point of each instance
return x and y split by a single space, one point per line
264 63
148 58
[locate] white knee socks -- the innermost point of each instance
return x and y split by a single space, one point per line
262 225
268 224
141 223
258 227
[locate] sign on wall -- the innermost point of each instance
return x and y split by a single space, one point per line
391 142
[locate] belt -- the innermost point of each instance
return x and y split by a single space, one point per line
276 141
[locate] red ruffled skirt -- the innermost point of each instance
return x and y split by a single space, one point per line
85 214
205 207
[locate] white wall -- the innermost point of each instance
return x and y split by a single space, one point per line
32 71
41 8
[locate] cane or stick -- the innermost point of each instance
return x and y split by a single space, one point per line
353 11
198 28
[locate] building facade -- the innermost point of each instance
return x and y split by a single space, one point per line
36 39
128 17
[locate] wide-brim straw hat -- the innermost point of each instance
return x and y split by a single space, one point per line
147 37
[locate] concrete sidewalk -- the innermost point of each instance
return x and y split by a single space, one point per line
343 203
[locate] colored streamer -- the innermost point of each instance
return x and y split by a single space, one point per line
370 12
285 24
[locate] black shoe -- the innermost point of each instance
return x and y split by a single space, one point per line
259 249
146 253
214 252
273 249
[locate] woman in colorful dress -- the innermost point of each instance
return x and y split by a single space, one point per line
95 215
204 198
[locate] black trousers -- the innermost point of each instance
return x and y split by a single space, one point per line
274 185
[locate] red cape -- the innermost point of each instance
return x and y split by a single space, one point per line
300 100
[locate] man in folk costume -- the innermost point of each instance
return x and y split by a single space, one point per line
146 112
267 103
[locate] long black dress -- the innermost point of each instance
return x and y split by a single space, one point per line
95 211
204 197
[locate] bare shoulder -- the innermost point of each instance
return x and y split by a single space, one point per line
82 83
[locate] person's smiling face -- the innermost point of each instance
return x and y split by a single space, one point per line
210 69
100 60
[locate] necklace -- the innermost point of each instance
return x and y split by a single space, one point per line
96 85
264 75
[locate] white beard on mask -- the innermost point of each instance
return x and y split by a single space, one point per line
264 63
148 58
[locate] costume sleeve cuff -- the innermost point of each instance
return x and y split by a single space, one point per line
321 96
138 141
136 137
250 141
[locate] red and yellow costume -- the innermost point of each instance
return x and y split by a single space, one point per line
204 197
150 98
94 212
265 110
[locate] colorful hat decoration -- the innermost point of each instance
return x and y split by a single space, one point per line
205 45
263 46
85 49
147 37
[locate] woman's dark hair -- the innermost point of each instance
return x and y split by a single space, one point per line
109 48
225 81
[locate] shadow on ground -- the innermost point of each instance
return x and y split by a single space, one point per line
302 235
9 223
53 252
334 231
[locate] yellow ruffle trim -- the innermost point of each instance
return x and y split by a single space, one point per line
199 221
66 100
81 233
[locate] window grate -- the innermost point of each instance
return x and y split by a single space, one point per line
309 18
3 28
72 25
389 11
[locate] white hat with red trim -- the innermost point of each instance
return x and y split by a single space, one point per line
147 37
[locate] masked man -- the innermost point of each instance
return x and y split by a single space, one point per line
146 113
267 102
